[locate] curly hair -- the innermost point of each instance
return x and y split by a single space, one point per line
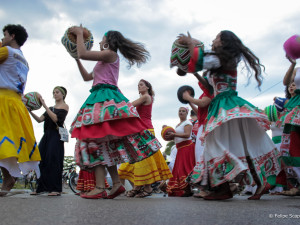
19 32
148 85
233 50
134 52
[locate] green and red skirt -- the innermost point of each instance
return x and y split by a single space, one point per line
109 131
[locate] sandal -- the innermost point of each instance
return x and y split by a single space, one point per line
144 194
132 193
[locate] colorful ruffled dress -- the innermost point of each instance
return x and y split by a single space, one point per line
234 134
150 170
107 127
184 164
290 145
19 152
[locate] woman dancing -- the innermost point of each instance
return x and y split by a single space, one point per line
234 134
18 147
107 127
185 158
153 169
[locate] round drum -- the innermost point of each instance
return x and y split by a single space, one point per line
180 56
69 41
165 131
183 89
32 100
292 47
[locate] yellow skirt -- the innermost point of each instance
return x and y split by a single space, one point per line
16 131
148 171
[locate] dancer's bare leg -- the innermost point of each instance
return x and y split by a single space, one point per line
113 171
100 180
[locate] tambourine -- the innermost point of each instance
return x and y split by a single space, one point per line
180 57
292 47
183 89
165 131
32 100
69 41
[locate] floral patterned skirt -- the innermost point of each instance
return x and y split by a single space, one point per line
109 131
237 147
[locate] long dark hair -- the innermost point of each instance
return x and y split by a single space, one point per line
134 52
148 85
233 50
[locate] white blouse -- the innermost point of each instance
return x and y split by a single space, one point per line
180 129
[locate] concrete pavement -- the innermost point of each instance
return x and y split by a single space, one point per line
158 210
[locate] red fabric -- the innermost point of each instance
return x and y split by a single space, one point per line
145 112
184 164
193 61
202 111
294 144
119 128
281 178
87 182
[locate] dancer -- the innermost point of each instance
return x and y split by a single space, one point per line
185 158
201 107
153 169
234 134
51 147
18 149
291 132
107 127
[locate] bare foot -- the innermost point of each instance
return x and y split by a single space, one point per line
95 191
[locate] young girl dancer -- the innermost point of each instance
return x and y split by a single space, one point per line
153 169
107 127
291 132
235 137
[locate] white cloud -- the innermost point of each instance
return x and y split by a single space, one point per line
262 25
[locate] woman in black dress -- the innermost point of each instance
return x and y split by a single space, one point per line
51 147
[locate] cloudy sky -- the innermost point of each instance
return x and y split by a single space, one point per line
263 26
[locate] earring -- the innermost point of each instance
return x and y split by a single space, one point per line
105 48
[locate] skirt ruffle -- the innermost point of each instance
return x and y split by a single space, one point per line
225 156
18 145
227 106
184 164
148 171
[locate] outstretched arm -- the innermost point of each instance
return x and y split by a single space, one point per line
202 80
38 119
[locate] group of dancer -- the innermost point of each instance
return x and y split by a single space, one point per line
232 145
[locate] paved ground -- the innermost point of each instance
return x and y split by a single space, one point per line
70 209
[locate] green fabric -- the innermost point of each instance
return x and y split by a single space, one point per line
291 161
294 101
276 140
199 64
104 92
226 100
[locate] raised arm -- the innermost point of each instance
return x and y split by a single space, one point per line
85 75
290 73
